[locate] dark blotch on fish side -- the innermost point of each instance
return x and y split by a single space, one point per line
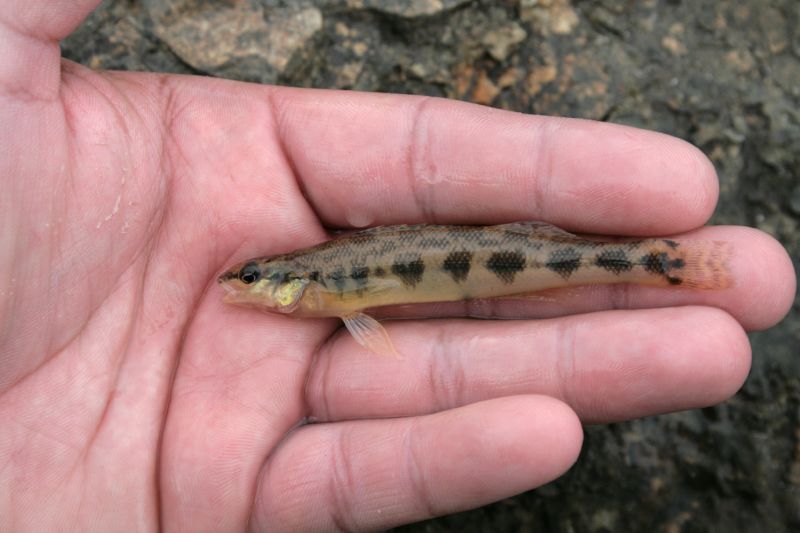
660 263
360 275
672 244
339 278
615 261
656 262
564 261
409 272
314 276
458 264
379 272
505 265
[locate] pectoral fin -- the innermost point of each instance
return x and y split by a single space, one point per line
369 333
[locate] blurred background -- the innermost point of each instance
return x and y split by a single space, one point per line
724 75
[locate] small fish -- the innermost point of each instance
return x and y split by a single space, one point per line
395 265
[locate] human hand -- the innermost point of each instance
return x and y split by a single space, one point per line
131 398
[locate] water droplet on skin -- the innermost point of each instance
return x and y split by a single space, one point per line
359 220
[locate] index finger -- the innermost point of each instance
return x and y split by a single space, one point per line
371 159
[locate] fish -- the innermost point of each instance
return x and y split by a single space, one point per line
348 276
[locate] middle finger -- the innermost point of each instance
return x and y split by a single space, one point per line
607 366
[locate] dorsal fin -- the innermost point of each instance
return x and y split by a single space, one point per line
527 228
380 230
538 229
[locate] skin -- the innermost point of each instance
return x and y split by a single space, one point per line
130 395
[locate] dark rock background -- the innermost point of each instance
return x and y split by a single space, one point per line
724 75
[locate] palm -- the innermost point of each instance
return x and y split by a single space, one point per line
142 218
131 395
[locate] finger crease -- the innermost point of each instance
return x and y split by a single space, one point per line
417 480
341 484
565 361
279 133
542 169
421 169
321 379
446 373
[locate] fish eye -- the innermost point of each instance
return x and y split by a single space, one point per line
250 273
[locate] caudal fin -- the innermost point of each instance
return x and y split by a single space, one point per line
705 265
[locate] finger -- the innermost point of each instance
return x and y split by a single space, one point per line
45 19
29 31
763 291
368 159
344 380
369 475
607 366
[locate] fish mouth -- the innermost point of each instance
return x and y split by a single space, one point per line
231 295
228 282
240 298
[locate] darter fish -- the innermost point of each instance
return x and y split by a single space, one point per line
394 265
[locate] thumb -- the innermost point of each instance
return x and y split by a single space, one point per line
29 52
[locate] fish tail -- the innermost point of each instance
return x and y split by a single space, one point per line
705 265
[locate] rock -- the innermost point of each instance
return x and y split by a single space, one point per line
673 42
485 90
794 201
407 8
503 39
244 38
540 76
557 16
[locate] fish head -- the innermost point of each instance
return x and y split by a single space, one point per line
265 284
